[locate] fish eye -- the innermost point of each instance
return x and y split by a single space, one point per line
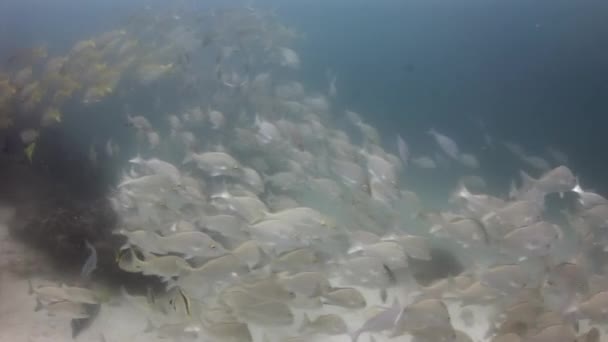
212 246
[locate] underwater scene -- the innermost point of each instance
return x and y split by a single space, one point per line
295 171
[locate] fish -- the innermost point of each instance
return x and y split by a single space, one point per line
219 270
477 293
593 335
158 167
536 162
346 297
214 163
594 308
217 119
390 253
230 226
557 155
80 324
510 337
554 333
230 331
466 231
288 58
438 288
468 160
91 263
180 330
267 132
382 321
191 244
144 240
557 180
588 199
468 317
424 162
64 309
506 278
366 271
477 204
149 73
249 208
381 170
328 324
250 254
447 145
61 293
416 247
537 239
308 283
331 80
424 315
165 267
29 151
403 150
294 261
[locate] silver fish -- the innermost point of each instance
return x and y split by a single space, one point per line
328 324
192 244
382 321
91 263
506 278
537 239
403 149
447 145
346 297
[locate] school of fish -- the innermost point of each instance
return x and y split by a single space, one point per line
270 215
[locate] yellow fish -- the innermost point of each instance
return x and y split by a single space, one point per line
29 150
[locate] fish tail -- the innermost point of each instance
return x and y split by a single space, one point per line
30 287
137 160
149 326
189 157
39 305
305 323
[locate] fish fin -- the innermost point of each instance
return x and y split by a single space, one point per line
149 326
137 160
187 304
188 158
527 182
577 188
30 287
357 247
391 275
317 292
383 295
39 305
257 122
29 150
150 297
436 229
305 323
461 192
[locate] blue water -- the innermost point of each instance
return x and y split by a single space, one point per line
533 71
